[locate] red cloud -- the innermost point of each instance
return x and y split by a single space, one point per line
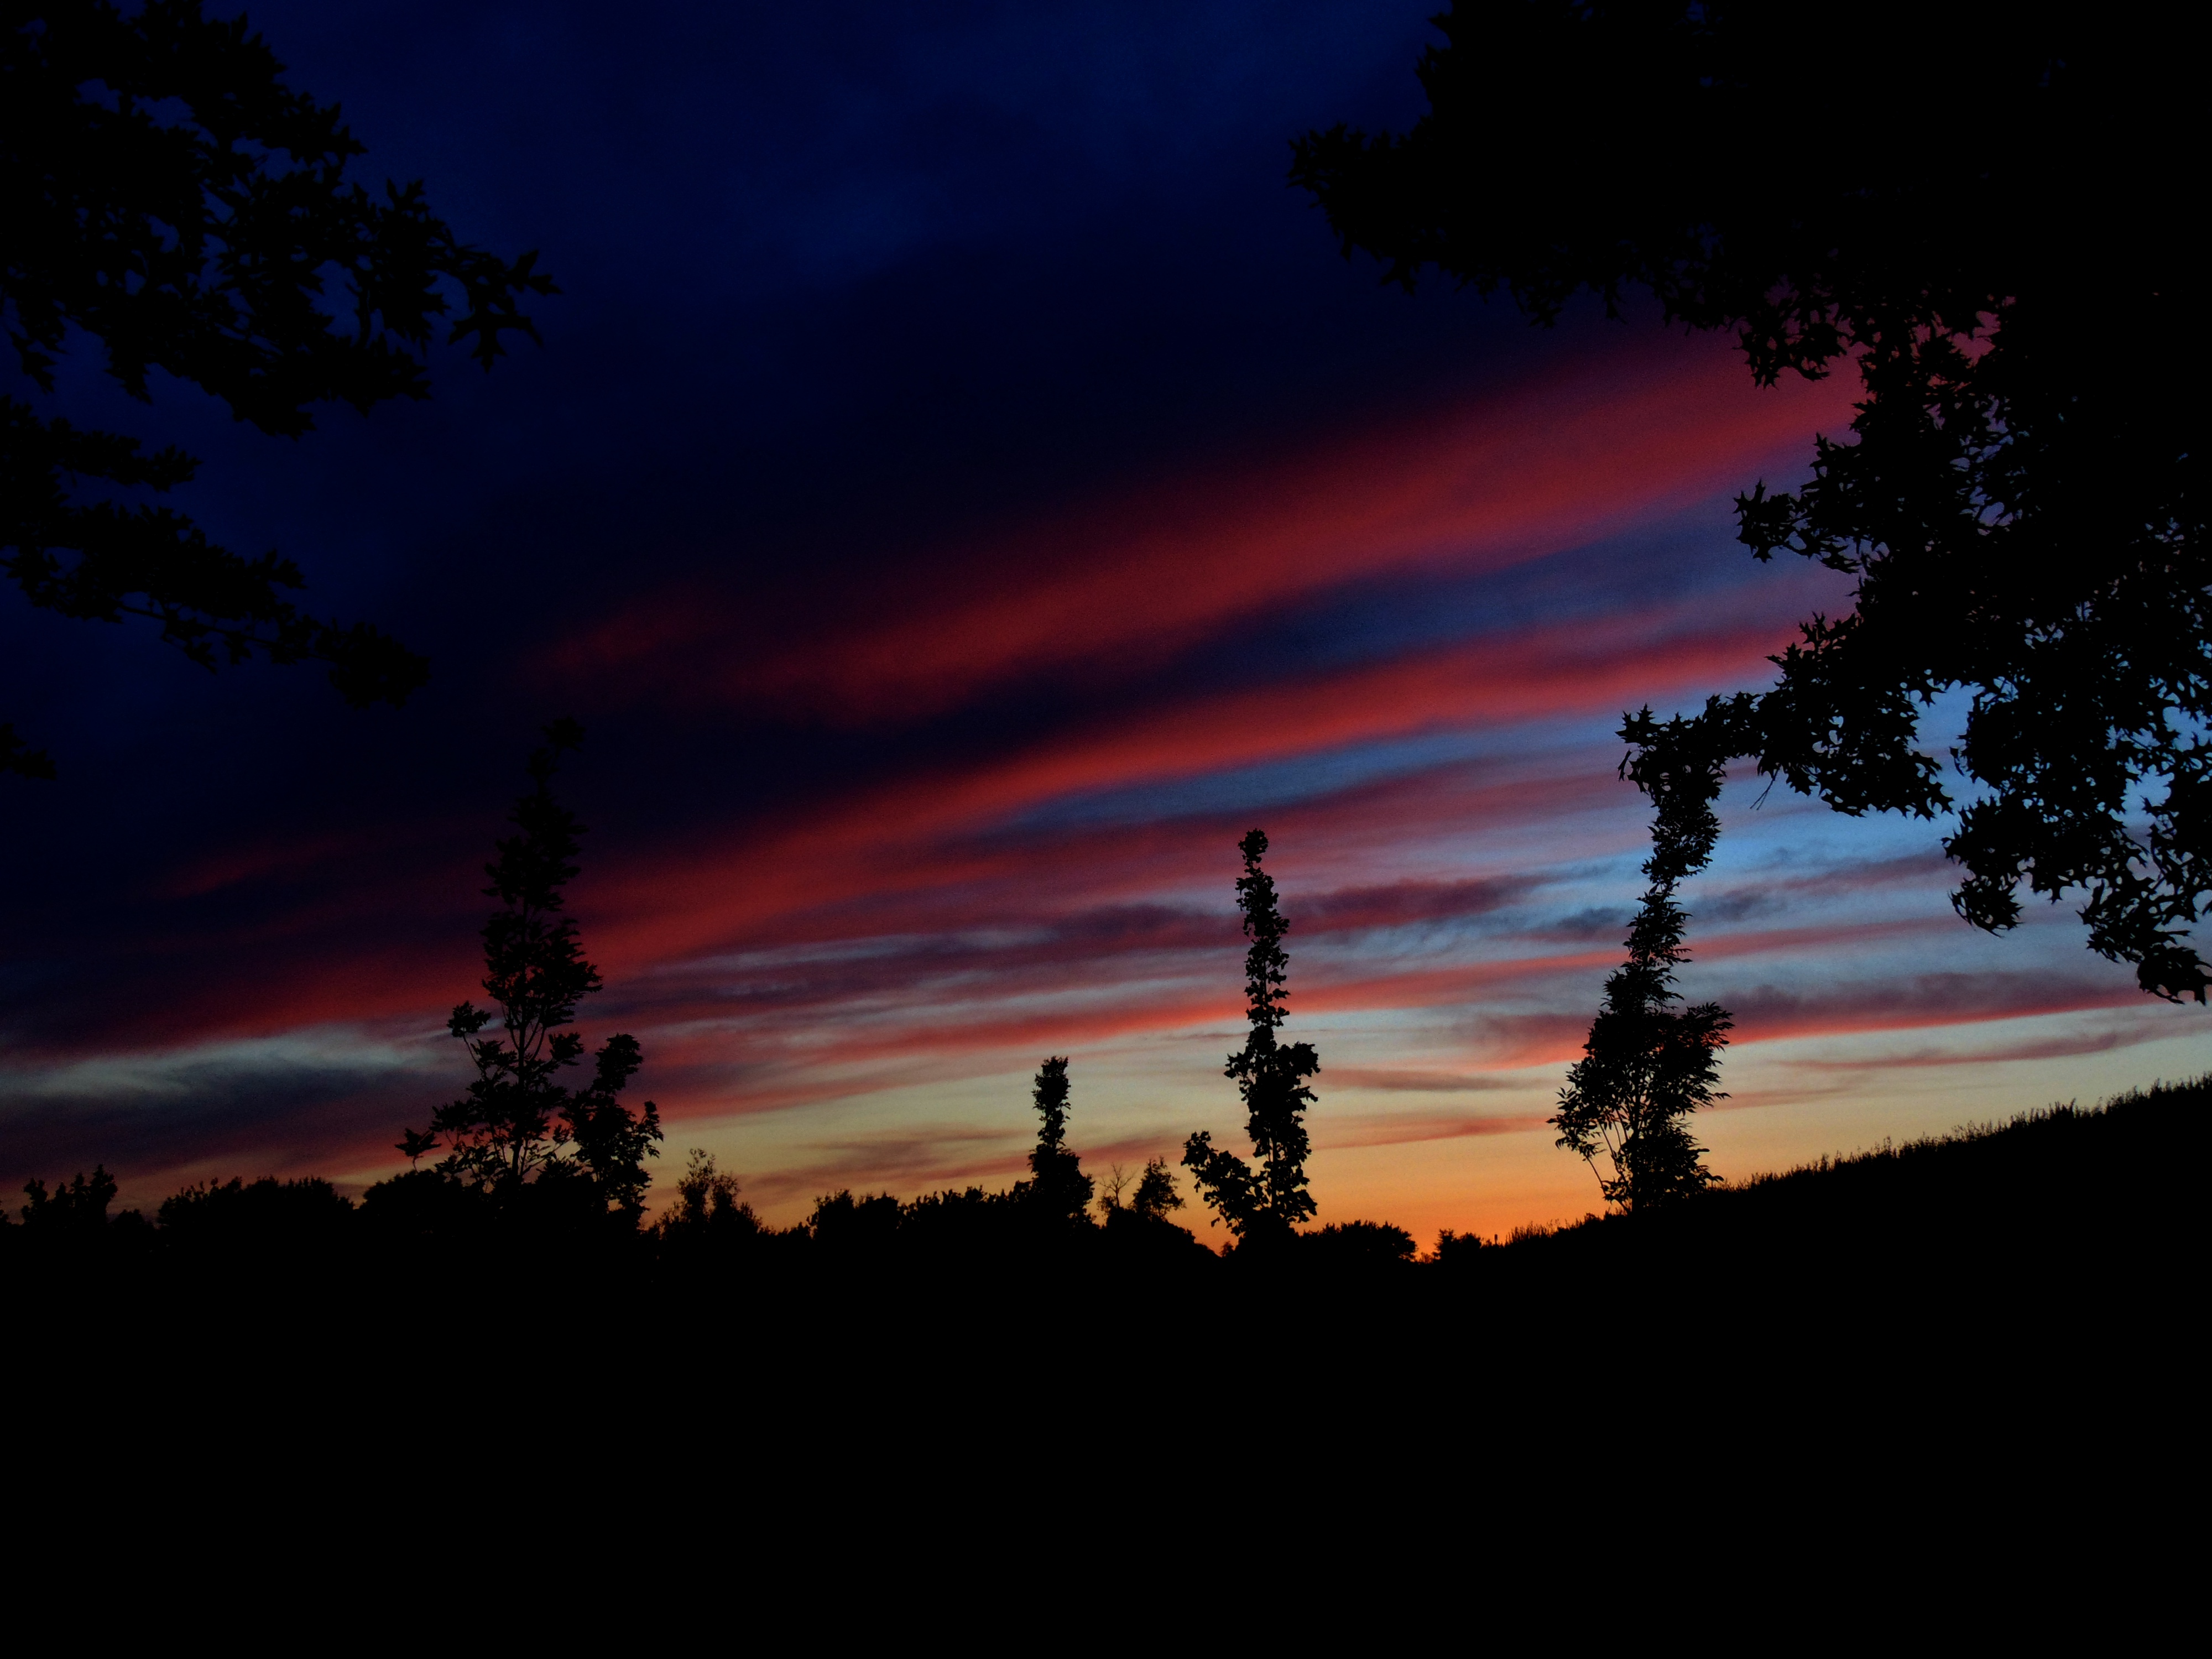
2124 1036
936 854
921 832
1116 586
1775 1014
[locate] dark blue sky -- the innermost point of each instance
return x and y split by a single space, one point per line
839 286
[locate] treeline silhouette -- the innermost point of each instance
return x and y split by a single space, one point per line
2043 1195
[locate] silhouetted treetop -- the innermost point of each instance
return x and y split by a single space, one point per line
268 1215
534 964
1156 1193
518 1123
1359 1244
1272 1200
1646 1065
164 193
709 1221
1976 207
1057 1185
73 1206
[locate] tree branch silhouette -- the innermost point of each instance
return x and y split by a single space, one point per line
2019 503
142 202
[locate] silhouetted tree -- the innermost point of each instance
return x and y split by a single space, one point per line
1356 1245
1139 1235
71 1224
269 1219
707 1196
1647 1064
709 1221
424 1209
1057 1186
1156 1193
73 1207
1456 1249
1111 1188
143 201
518 1123
1271 1201
849 1230
2022 508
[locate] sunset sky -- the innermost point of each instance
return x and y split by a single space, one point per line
962 490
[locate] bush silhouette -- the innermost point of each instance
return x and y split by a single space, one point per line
241 1218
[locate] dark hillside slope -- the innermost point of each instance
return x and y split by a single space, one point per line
2048 1187
2052 1256
2047 1257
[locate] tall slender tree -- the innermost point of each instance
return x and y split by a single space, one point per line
518 1123
1058 1186
1647 1064
1271 1201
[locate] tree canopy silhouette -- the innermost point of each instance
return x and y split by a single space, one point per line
1269 1201
1982 210
142 201
73 1207
518 1123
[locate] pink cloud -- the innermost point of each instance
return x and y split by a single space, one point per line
1406 1128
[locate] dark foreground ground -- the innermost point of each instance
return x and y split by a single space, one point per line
1927 1394
2053 1255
